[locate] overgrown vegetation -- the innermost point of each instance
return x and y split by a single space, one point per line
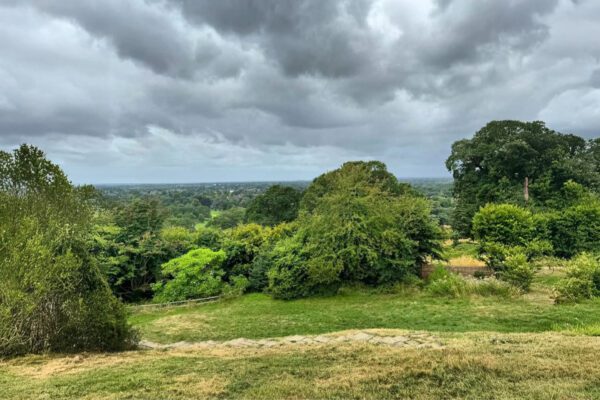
52 294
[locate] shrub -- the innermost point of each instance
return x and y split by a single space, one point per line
289 276
237 287
196 274
506 224
575 229
510 264
518 271
52 294
582 279
242 245
210 238
447 284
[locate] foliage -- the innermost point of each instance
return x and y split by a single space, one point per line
276 205
575 229
441 282
133 243
238 285
582 280
506 224
211 238
518 271
241 245
228 218
52 294
357 224
510 263
492 167
196 274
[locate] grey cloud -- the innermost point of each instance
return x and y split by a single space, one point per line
251 83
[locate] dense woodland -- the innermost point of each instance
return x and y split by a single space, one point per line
71 256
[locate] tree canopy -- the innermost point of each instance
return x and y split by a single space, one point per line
276 205
492 167
357 224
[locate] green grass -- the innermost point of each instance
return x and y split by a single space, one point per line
259 316
472 366
494 348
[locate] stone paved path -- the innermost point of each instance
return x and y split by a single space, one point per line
408 339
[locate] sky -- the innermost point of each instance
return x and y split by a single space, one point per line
152 91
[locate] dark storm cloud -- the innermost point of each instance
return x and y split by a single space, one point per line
138 31
298 85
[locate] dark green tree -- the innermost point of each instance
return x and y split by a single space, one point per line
492 167
276 205
358 224
229 218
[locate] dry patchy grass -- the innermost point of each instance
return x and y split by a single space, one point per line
472 365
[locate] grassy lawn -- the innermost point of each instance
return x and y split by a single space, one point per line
471 366
493 348
258 316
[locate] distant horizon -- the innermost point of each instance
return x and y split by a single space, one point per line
401 179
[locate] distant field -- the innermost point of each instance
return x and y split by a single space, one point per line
492 348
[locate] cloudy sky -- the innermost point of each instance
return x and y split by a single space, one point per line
205 90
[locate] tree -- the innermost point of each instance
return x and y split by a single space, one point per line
196 274
492 167
52 294
358 224
276 205
228 218
130 248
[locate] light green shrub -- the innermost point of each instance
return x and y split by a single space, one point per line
582 279
447 284
196 274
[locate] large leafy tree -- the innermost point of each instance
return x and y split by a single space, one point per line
493 165
52 294
276 205
356 224
132 244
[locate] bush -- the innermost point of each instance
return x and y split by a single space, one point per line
510 264
447 284
505 224
237 287
210 238
242 245
575 229
518 271
194 275
52 294
582 279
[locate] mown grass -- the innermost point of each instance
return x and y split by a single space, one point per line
472 366
494 348
259 316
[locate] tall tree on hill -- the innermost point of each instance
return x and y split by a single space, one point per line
493 165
